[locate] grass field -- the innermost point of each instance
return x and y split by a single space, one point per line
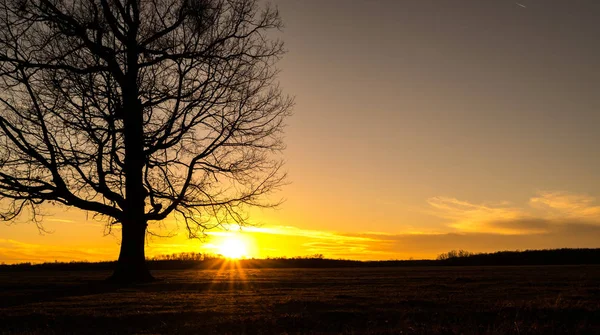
425 300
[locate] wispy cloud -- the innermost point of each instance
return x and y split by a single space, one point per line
544 212
469 217
329 243
565 204
314 234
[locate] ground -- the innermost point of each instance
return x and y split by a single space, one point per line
425 300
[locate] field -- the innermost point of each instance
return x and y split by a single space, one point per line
418 300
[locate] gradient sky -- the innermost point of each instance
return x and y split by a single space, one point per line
420 127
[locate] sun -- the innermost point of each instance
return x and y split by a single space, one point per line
233 247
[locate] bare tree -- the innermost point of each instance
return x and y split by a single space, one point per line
138 110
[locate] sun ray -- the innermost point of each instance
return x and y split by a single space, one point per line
229 272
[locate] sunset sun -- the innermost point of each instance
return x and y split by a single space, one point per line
233 247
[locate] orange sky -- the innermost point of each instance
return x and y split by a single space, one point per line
419 127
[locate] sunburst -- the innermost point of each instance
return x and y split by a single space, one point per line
233 247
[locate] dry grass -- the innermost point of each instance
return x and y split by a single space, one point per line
428 300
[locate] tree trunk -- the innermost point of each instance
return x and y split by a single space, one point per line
131 266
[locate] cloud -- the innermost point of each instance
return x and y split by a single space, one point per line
468 217
546 212
314 234
523 225
564 204
329 243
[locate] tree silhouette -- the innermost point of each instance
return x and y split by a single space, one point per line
140 109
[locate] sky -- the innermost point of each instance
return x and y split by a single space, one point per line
419 127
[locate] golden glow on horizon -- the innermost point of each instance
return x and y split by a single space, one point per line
548 219
233 247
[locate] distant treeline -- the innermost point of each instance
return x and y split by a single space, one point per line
182 261
526 257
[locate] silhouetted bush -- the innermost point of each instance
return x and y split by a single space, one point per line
454 254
